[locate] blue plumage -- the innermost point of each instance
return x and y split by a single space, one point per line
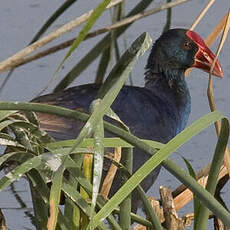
158 111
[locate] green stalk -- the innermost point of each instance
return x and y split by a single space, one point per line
97 49
52 18
98 158
39 208
55 194
205 197
155 223
149 165
122 69
77 174
217 161
72 211
87 172
125 208
137 219
102 67
200 125
77 198
168 18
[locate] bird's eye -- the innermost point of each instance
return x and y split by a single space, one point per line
187 45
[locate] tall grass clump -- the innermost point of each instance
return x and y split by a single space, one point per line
73 168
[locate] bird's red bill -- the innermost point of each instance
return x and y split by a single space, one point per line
204 57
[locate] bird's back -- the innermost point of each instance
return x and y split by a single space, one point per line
148 114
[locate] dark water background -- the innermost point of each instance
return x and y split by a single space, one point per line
20 20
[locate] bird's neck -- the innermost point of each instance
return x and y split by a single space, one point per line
173 80
172 89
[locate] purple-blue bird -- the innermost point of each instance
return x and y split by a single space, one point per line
158 111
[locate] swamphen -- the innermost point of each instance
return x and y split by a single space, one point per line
158 111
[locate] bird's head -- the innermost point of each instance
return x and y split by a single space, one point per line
177 50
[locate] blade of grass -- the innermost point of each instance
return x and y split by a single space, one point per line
107 54
137 49
91 21
155 160
168 18
77 174
214 172
210 88
5 114
72 211
98 158
115 130
68 43
52 19
41 188
150 212
89 142
102 67
108 180
48 159
125 207
19 172
196 202
87 172
216 31
39 208
55 194
77 198
197 189
114 43
122 69
6 156
98 48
